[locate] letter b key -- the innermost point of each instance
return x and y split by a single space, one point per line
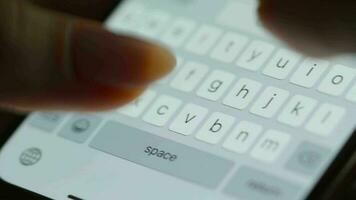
215 128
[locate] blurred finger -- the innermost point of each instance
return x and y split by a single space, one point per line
317 27
53 61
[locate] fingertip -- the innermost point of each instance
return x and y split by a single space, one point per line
102 57
162 57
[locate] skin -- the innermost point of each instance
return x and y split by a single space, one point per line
314 27
55 55
52 60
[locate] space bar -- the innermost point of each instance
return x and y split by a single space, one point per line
161 154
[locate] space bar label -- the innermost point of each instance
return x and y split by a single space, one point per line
161 154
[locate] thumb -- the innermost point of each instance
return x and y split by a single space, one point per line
316 27
54 61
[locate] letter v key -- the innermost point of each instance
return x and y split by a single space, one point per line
188 119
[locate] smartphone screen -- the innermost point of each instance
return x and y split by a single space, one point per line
242 116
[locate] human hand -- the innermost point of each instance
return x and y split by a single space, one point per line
315 27
55 61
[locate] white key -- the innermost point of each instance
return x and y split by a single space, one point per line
215 85
229 47
351 95
270 146
309 72
162 110
282 64
135 108
153 23
179 63
188 119
127 18
189 76
178 32
337 80
297 110
203 40
255 55
215 128
325 119
242 93
242 137
269 102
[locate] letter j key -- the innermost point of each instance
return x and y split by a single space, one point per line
269 102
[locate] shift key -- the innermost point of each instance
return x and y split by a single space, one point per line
161 154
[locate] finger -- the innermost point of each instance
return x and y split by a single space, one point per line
58 62
317 27
93 9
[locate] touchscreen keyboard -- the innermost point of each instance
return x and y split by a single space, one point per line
220 84
229 91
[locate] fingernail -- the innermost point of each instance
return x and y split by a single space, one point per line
102 57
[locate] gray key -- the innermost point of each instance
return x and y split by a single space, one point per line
161 154
46 121
79 128
308 159
252 184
